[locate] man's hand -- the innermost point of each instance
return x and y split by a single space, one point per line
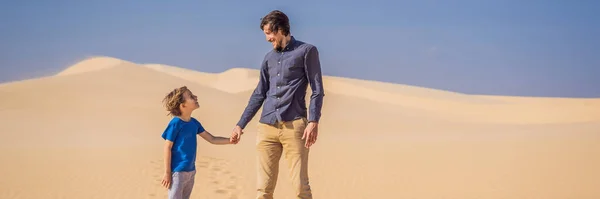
310 133
166 181
236 135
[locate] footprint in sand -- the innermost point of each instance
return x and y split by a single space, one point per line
203 163
157 170
221 178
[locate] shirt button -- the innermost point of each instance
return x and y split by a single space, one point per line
279 62
277 74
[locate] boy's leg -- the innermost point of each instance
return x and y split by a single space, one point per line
177 184
268 154
189 184
296 155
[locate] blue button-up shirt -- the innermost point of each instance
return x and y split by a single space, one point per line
284 77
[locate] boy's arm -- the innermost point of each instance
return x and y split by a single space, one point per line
166 181
167 154
214 139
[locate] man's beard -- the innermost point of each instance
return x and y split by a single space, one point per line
278 46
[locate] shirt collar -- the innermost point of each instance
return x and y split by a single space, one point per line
291 45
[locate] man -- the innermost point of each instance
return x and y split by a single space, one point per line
284 126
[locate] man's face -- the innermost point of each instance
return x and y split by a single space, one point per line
275 38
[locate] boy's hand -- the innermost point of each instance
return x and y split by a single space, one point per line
166 181
236 135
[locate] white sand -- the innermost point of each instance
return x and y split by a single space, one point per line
93 131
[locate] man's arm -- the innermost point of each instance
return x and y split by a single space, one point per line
214 139
257 98
315 78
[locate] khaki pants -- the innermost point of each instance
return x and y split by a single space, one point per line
273 141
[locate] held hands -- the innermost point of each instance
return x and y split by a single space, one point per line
310 133
236 135
232 141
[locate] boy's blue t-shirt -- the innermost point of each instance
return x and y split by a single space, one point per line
183 135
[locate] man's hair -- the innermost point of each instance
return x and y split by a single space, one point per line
278 21
174 99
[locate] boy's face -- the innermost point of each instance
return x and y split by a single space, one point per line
191 102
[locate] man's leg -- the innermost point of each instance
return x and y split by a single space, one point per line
297 156
268 154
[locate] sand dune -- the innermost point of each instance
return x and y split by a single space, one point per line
455 106
186 74
92 64
93 131
234 80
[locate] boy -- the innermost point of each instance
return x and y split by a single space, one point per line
180 142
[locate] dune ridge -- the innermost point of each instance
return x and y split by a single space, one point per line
93 131
92 64
456 106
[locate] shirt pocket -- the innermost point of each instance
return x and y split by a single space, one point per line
294 68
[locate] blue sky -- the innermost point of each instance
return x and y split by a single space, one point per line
508 47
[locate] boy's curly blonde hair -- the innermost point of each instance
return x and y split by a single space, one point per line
174 99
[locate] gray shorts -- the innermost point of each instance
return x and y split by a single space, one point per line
182 184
